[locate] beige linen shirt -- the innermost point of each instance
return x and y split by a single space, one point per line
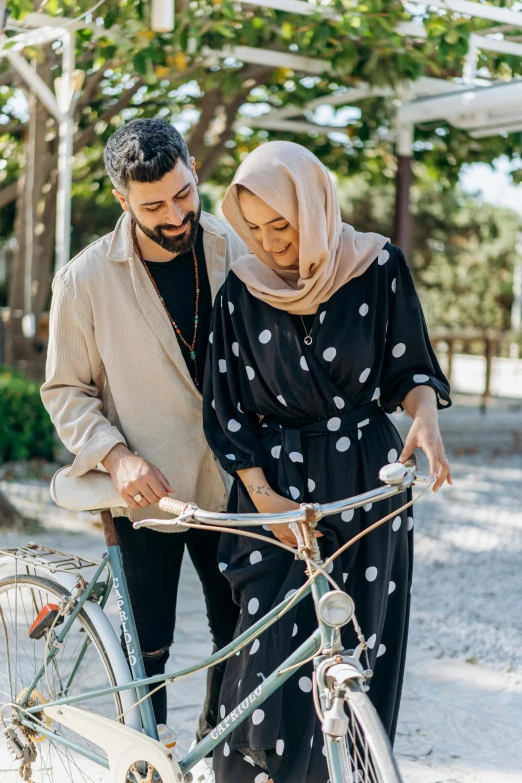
115 372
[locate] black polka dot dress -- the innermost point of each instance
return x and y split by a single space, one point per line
313 417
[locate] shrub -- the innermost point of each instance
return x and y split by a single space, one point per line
26 430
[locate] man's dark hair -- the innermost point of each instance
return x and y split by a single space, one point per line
143 151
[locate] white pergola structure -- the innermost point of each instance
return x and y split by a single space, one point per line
475 104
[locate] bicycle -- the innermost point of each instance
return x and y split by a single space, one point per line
58 648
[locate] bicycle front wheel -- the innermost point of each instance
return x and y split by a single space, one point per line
81 664
364 755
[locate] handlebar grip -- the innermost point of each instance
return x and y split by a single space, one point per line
173 506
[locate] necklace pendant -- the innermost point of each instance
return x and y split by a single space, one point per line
193 355
308 340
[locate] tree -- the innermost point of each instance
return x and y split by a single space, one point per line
463 250
130 72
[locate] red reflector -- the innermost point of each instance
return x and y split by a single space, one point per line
45 619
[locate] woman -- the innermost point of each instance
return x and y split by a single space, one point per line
315 335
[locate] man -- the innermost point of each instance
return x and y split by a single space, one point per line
129 329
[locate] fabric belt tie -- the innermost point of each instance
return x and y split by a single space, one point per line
291 453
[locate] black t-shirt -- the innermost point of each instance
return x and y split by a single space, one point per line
176 282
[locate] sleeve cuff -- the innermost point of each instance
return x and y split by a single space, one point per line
95 450
231 466
441 390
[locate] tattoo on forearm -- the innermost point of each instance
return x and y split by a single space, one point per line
262 489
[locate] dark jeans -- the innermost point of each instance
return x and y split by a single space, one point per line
152 563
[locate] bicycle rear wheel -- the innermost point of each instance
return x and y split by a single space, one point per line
364 755
82 664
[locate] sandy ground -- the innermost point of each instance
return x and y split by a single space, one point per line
461 718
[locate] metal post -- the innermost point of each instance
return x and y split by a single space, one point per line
162 16
65 152
516 309
469 72
402 225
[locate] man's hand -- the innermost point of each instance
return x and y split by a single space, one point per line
132 475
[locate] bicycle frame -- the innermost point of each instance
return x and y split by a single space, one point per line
140 682
323 639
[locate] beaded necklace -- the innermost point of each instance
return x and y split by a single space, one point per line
192 346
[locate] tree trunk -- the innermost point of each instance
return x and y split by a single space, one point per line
34 232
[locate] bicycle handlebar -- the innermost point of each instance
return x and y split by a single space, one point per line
397 477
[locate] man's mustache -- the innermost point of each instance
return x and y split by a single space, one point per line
189 218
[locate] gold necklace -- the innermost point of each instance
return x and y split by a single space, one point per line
191 346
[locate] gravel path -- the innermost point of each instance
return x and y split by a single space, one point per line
461 719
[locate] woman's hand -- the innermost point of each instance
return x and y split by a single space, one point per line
421 404
425 434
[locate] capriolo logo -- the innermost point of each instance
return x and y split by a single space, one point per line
123 618
234 715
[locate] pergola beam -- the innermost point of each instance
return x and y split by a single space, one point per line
476 10
463 103
504 46
267 122
34 81
269 57
483 133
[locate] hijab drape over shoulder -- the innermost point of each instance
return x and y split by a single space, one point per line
293 182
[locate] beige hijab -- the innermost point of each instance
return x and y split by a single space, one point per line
291 180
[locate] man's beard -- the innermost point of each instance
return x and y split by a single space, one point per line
176 244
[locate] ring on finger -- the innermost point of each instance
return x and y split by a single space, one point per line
138 497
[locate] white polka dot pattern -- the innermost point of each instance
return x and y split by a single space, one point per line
222 365
398 350
363 309
250 373
334 424
371 574
258 717
363 377
305 684
253 605
304 364
343 444
330 354
265 336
